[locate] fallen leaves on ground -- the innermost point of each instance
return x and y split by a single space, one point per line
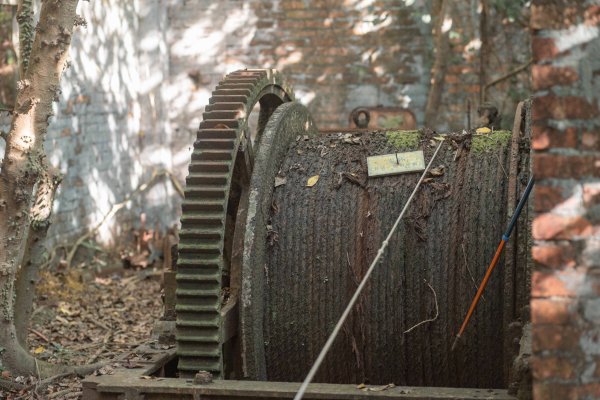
312 181
77 321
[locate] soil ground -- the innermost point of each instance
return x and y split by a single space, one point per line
81 319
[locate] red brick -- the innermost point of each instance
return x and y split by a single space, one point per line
592 15
589 391
544 137
553 337
546 76
554 391
472 89
293 5
460 69
590 141
263 24
306 13
561 283
552 367
543 48
547 197
591 194
554 256
550 311
451 78
550 226
566 107
554 15
560 166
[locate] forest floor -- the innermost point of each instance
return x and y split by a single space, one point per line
83 318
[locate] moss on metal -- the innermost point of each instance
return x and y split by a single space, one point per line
403 139
490 141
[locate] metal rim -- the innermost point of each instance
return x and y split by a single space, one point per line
219 173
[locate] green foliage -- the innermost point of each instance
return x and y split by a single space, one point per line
487 142
403 139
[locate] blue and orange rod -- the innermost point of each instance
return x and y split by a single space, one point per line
488 273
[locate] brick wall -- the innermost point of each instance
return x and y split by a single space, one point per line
566 230
340 54
109 131
337 55
142 73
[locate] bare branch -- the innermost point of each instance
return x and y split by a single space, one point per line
508 75
118 206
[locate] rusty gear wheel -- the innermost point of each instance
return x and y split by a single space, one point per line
217 183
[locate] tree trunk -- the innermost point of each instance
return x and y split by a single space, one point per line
440 64
22 171
35 251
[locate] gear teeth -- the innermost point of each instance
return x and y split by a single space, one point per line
200 264
226 106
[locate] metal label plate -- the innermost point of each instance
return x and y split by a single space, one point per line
397 163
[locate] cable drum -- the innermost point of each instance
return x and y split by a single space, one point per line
320 239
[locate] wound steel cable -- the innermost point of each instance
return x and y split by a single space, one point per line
340 323
492 265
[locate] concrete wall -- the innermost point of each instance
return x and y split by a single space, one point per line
566 141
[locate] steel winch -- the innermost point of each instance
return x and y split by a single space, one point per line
280 222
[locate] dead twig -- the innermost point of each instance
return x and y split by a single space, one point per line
101 349
501 166
470 274
45 382
39 334
118 206
437 311
508 75
65 393
99 324
11 385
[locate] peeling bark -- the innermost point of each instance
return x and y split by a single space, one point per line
24 169
35 251
26 33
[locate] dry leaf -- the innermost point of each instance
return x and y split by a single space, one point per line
483 130
437 171
39 350
440 138
312 181
381 388
361 386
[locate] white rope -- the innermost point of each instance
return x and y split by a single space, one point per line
338 326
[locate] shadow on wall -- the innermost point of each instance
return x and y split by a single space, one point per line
566 282
109 131
338 54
